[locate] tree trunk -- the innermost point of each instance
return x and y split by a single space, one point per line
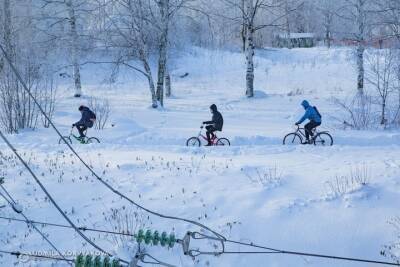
287 26
328 39
162 60
9 46
361 21
249 51
243 32
168 92
383 115
74 49
360 68
147 69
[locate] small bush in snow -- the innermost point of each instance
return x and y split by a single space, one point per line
267 177
124 220
392 250
357 112
344 184
101 107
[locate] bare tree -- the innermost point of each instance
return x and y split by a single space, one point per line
381 75
20 46
68 13
327 8
164 10
133 34
359 17
250 12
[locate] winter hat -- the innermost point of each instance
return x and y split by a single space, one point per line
305 104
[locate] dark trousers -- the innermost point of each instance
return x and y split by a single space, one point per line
308 128
210 132
81 129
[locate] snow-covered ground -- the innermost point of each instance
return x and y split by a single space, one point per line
328 200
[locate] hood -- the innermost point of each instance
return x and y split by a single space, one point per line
213 107
305 104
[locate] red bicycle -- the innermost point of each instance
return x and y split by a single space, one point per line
215 141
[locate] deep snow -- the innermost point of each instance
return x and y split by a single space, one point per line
290 207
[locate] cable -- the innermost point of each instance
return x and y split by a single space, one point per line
12 203
18 254
279 251
50 197
115 191
199 236
67 226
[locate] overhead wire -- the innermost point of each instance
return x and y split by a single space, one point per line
270 250
12 202
51 198
110 187
83 228
19 254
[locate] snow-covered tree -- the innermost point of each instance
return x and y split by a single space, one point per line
66 21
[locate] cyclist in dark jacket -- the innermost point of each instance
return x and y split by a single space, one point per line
215 124
314 119
87 120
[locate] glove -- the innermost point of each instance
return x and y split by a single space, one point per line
204 122
297 124
73 125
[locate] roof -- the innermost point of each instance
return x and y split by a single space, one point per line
297 35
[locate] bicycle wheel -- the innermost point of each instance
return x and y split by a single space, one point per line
323 139
223 142
292 139
67 138
93 140
193 141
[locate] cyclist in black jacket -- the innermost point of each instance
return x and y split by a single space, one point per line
215 124
87 120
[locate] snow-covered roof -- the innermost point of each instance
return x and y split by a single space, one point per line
297 35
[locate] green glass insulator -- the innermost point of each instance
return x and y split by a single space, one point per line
97 262
164 239
156 238
148 237
106 262
140 236
171 241
115 263
79 261
88 261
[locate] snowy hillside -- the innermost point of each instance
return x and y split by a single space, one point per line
328 200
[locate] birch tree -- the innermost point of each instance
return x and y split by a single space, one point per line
67 14
252 16
21 44
163 6
359 17
133 34
327 8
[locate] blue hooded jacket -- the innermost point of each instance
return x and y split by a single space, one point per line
310 114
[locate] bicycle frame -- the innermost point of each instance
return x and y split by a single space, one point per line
213 138
78 137
302 132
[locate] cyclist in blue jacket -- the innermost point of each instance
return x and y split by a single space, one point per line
314 117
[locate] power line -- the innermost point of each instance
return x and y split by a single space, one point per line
67 226
19 254
50 197
269 250
115 191
12 203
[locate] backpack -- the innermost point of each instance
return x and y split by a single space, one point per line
92 116
316 110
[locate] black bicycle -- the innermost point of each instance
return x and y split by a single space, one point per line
84 140
319 139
